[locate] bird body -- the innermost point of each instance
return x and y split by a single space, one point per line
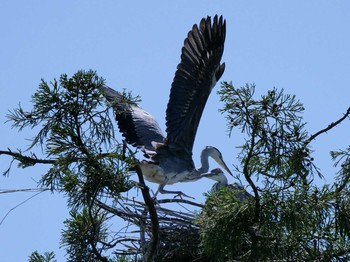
156 174
170 157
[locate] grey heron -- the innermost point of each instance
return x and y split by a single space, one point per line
218 175
170 157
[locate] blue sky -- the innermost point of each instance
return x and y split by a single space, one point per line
301 46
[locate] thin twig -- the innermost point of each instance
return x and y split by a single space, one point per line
177 200
329 127
117 212
23 202
7 191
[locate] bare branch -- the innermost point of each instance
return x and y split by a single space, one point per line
329 127
28 160
125 215
176 200
6 191
152 249
23 202
34 160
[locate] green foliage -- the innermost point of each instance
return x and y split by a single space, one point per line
47 257
88 164
276 144
288 218
225 223
66 110
342 158
84 234
295 224
75 127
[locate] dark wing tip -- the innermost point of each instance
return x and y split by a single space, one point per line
197 73
122 113
220 71
218 27
138 127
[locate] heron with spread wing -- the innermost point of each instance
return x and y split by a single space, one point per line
170 157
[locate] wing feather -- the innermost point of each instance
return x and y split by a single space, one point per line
138 127
196 75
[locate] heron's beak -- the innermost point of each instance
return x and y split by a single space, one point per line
221 162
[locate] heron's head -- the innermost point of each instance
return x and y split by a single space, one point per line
214 153
216 174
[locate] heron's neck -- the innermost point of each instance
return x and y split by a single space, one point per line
222 180
204 162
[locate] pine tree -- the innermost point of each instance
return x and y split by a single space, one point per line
287 216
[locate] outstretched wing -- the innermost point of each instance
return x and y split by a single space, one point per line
137 126
196 75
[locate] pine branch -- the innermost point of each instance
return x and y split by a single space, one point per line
27 160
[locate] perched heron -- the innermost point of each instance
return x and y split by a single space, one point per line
218 175
170 158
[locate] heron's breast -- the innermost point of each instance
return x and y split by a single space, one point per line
154 173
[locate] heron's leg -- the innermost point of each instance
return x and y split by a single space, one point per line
177 193
154 197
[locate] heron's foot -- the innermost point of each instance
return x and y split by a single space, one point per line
154 198
177 193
